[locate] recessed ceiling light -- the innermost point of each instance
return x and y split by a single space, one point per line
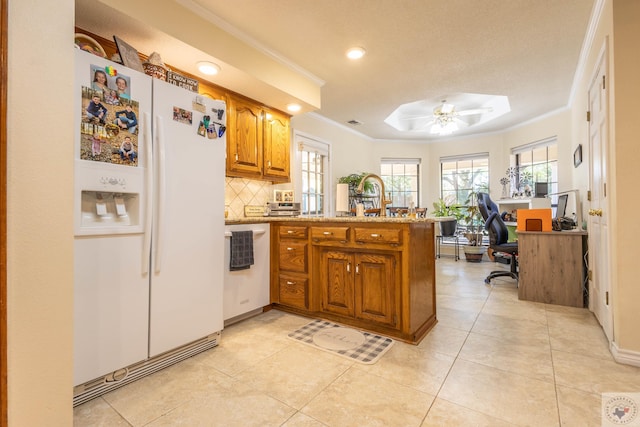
355 53
294 107
208 68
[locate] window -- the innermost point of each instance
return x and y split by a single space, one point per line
537 162
462 175
314 164
401 178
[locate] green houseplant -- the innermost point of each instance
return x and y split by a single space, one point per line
446 207
474 250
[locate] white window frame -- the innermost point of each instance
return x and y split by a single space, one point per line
306 142
543 143
389 188
466 157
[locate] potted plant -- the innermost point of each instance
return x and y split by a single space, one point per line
474 250
446 207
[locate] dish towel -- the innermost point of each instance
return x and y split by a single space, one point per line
241 250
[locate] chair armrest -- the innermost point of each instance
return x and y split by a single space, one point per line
489 220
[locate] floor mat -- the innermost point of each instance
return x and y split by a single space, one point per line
363 347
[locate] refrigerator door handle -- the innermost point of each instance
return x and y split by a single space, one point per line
146 244
161 194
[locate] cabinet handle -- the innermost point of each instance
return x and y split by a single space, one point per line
290 249
374 235
348 267
236 157
289 231
327 233
268 163
357 268
290 283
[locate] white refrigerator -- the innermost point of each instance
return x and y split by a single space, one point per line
148 274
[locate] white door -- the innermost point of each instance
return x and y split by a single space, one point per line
188 240
600 297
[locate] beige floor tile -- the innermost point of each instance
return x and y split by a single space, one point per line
158 394
302 420
359 399
443 339
520 310
516 330
296 374
594 375
411 366
455 302
240 350
458 319
238 405
461 289
579 409
510 397
444 413
530 360
97 413
576 332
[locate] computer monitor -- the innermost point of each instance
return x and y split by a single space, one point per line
562 206
541 189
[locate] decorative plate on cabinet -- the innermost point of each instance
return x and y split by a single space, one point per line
89 44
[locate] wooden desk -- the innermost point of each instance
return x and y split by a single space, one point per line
551 266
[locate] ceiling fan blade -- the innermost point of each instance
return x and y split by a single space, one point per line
474 111
416 117
446 108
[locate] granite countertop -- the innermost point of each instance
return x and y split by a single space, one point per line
254 220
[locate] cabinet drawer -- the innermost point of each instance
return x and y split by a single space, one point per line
294 291
378 235
293 256
292 232
329 233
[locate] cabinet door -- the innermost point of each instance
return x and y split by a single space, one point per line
336 279
277 146
244 139
375 288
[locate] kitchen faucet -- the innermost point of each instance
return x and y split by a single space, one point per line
383 202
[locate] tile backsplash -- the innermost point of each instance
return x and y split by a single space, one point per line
241 191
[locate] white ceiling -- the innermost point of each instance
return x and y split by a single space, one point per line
528 50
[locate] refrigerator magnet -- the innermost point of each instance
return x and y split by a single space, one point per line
201 129
211 131
221 130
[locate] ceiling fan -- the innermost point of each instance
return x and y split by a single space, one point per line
445 118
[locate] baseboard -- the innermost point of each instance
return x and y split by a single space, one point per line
626 357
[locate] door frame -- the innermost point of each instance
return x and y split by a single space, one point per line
4 35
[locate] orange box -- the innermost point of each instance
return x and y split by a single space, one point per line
543 215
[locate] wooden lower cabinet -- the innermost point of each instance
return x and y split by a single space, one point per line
376 276
376 287
359 285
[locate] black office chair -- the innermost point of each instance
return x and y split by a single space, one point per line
498 236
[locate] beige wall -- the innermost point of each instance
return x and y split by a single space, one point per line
40 203
624 170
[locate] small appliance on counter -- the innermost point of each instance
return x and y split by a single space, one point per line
283 208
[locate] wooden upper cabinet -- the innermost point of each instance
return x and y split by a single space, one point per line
244 139
277 146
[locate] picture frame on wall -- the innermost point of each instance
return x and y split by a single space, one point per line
577 156
128 55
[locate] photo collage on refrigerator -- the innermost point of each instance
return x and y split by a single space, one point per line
109 127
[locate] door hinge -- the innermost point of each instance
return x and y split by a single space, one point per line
589 195
588 116
605 189
590 275
606 297
604 86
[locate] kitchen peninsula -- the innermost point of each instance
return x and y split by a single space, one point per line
372 273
